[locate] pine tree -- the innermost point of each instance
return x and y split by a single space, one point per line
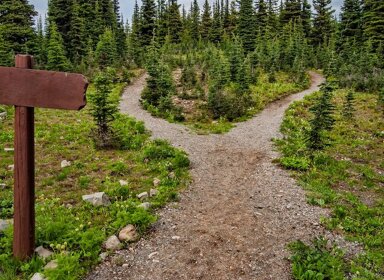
351 21
148 22
206 21
106 52
291 11
103 111
373 21
323 119
348 108
306 14
6 55
16 20
56 59
322 22
41 44
76 35
246 26
195 25
174 22
60 13
217 28
134 37
262 17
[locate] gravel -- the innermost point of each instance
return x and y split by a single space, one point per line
238 215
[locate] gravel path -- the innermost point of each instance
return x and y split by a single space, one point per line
238 215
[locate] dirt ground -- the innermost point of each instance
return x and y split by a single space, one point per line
238 215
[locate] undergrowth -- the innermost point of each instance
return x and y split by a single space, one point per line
347 176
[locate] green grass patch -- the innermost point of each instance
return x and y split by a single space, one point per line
347 177
73 229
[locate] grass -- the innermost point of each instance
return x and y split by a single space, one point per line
347 177
200 119
73 229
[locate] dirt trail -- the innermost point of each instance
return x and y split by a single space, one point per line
238 215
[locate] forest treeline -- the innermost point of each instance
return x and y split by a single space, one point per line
84 35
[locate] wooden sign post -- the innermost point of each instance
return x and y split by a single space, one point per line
26 89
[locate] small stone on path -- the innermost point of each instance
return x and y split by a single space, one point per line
65 164
150 256
103 256
128 234
113 243
97 199
43 253
176 237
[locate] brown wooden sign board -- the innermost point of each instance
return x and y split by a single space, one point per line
27 89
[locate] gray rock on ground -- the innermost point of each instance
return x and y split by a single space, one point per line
65 164
156 182
38 276
145 205
142 195
123 183
128 234
153 192
97 199
43 253
113 243
5 224
52 265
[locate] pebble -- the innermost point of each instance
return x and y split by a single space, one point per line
11 167
9 149
125 265
65 164
142 195
145 205
123 183
176 237
51 265
5 224
97 199
153 192
156 182
38 276
43 253
3 186
113 243
150 256
103 256
128 234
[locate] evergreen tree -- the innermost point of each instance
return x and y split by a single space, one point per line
16 22
56 59
41 44
148 22
206 21
76 35
6 55
291 11
106 52
246 26
60 13
348 108
195 17
373 18
262 17
134 36
217 28
322 22
175 26
351 21
306 14
323 119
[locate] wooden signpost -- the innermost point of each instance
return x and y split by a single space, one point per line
26 89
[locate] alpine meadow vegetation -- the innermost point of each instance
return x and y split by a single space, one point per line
209 65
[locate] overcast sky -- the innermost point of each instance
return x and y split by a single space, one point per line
127 5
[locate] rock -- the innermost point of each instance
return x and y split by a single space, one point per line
142 195
9 149
123 183
156 182
128 234
3 186
38 276
5 224
153 192
172 175
177 238
65 164
11 167
112 243
104 256
3 115
51 265
145 205
150 256
97 199
125 265
43 253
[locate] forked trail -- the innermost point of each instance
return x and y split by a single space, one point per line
238 215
